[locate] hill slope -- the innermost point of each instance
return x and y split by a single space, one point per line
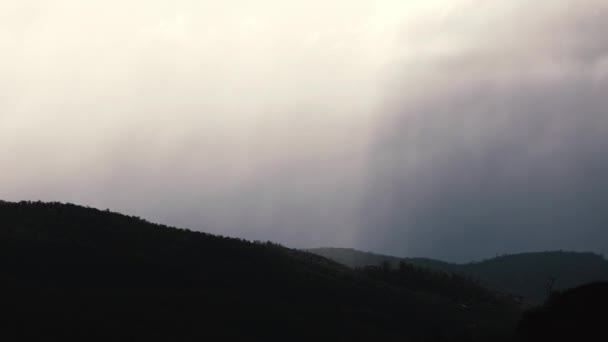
577 314
527 275
69 272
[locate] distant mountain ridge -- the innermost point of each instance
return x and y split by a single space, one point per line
529 275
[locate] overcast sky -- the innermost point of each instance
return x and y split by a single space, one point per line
454 129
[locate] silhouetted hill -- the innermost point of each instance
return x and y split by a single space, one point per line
75 273
577 314
529 275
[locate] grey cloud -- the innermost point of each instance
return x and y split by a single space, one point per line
506 159
344 123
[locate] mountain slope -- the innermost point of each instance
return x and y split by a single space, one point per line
70 272
529 275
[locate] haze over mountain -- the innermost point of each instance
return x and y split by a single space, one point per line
454 129
532 276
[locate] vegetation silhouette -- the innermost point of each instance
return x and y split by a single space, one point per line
75 273
69 272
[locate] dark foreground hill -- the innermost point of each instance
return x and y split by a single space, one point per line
529 275
577 314
76 273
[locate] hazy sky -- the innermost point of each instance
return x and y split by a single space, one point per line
455 129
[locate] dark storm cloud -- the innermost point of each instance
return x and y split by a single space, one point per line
469 186
506 154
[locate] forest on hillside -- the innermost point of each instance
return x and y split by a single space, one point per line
75 273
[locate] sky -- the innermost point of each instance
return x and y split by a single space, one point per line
454 129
